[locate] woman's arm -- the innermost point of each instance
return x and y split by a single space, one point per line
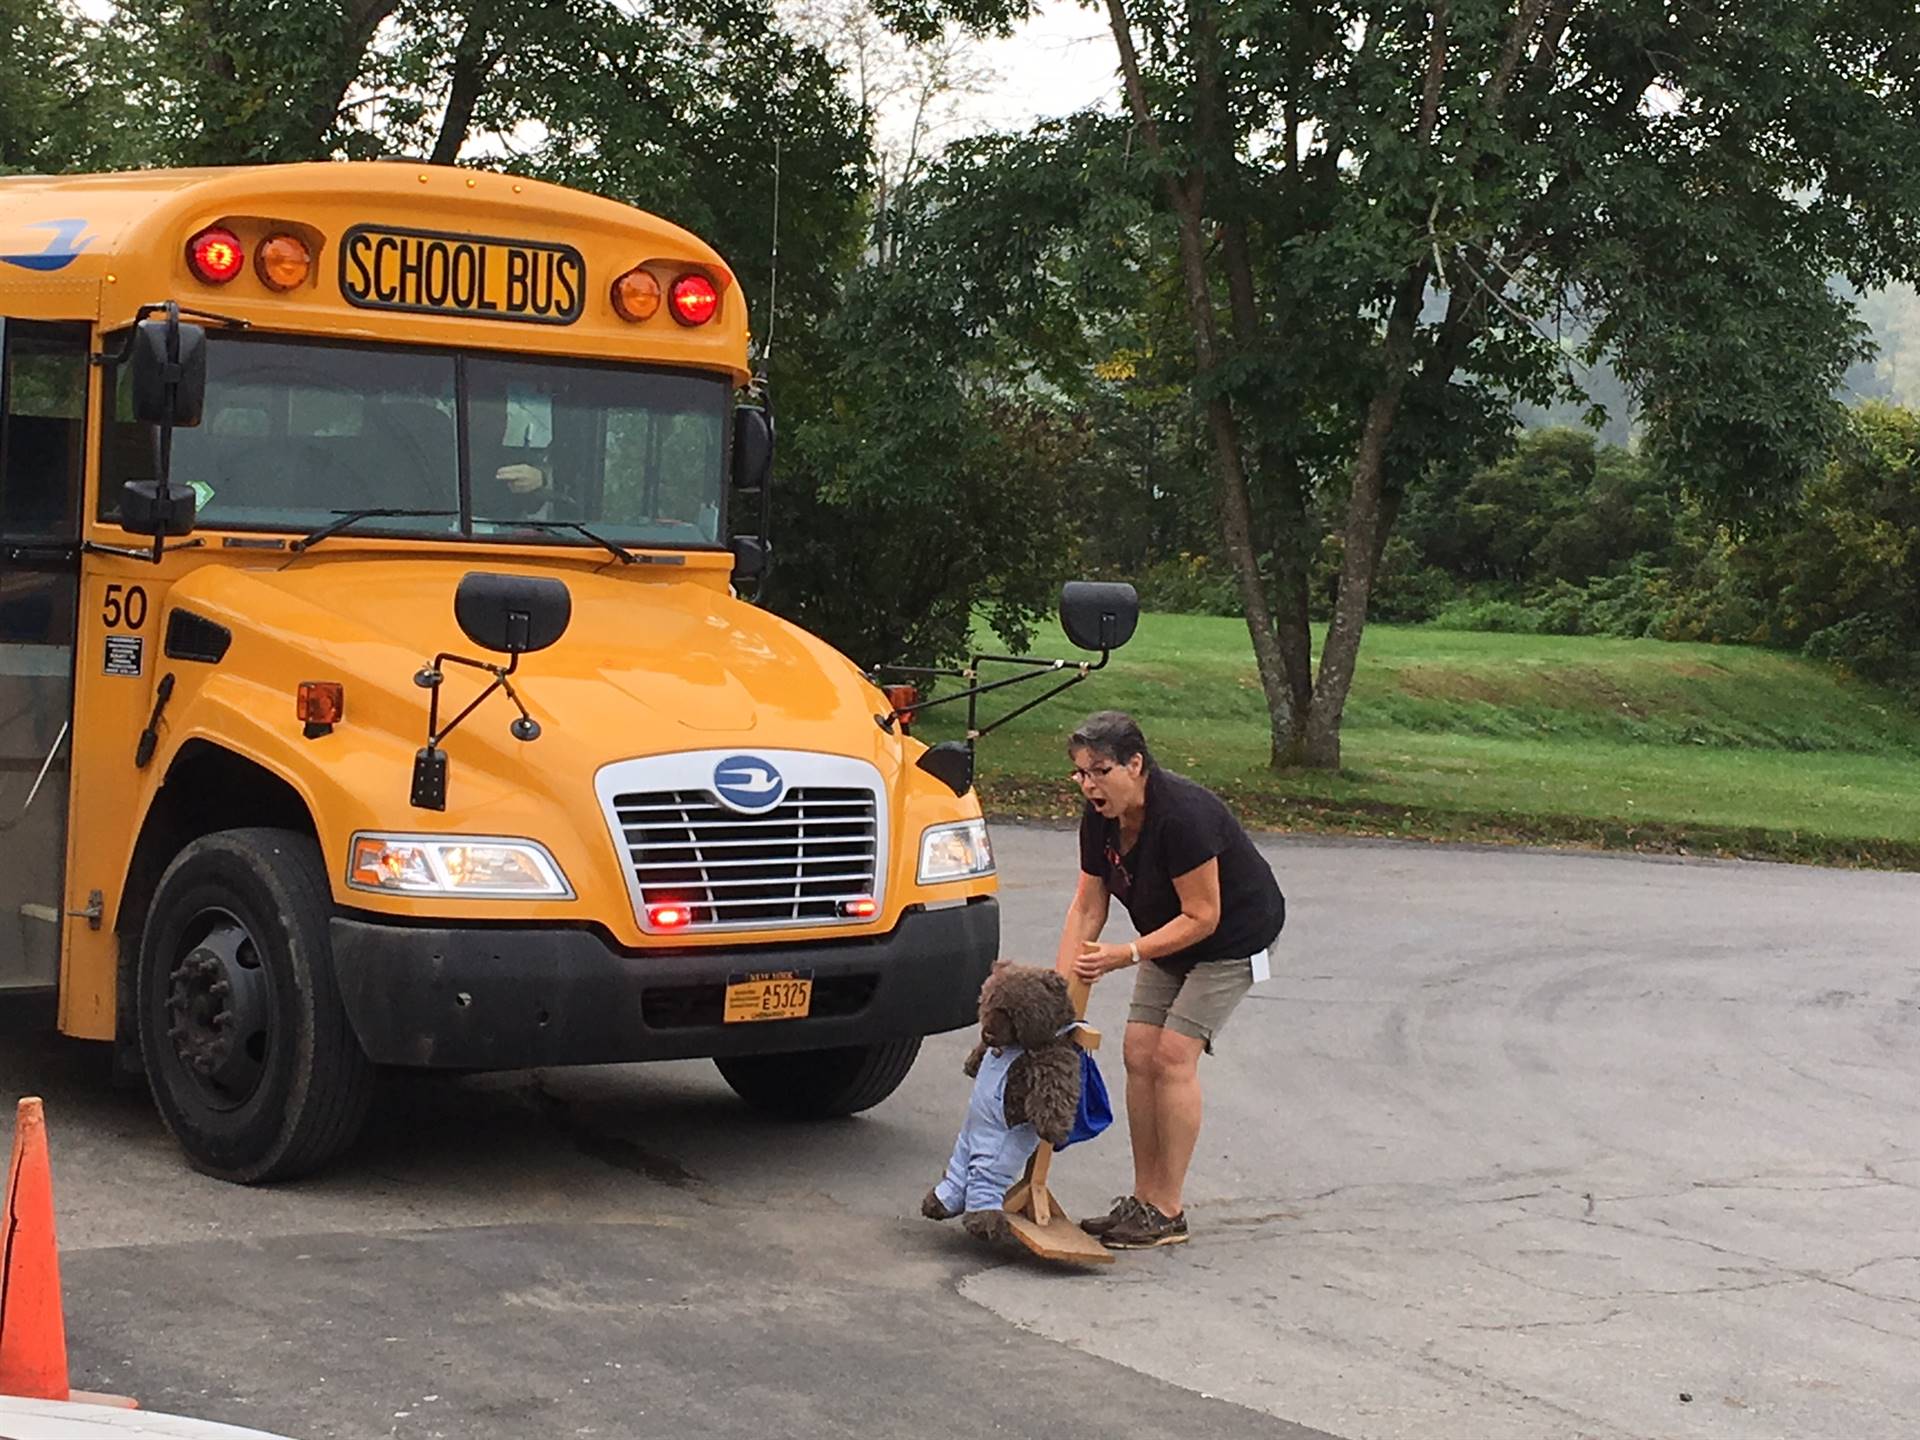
1199 894
1086 918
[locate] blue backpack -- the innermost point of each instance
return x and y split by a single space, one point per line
1096 1111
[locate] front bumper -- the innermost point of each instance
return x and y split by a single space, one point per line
511 997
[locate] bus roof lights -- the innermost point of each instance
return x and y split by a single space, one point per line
693 300
215 255
636 295
283 262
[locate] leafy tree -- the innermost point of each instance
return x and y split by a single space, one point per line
1559 507
1386 211
903 499
1849 566
51 115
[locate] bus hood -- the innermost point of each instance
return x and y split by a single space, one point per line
655 659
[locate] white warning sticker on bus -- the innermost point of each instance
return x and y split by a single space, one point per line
126 655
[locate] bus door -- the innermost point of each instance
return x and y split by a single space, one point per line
43 401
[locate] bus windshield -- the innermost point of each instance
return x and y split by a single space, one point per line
295 432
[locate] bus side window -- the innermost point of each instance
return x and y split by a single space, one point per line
42 447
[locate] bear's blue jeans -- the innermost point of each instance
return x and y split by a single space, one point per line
989 1155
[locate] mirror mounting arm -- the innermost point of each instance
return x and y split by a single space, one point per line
525 728
972 694
158 307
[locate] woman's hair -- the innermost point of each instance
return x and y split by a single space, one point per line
1113 735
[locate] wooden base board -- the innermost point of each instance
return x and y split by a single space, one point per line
1059 1240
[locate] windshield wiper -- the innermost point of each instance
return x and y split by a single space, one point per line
344 518
612 547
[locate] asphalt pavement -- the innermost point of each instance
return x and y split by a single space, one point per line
1514 1144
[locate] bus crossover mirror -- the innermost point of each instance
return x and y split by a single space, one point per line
512 614
752 557
1098 615
157 508
752 447
169 373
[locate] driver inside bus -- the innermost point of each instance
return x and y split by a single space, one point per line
511 480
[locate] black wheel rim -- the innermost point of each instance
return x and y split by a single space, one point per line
220 1010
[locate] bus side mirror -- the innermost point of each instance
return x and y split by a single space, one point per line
752 448
1098 615
752 557
169 371
157 507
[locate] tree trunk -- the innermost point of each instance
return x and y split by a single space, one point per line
1365 512
1187 197
1292 617
361 18
472 63
1365 515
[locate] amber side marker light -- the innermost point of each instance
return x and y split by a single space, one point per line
283 262
215 255
320 702
636 296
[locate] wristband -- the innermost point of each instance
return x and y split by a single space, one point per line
1133 953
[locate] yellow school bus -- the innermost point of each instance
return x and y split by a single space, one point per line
374 685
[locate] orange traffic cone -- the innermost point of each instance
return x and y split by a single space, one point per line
33 1331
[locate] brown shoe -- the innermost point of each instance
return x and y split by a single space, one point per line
1099 1225
1145 1228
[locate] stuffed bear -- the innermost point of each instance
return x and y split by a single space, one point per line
1026 1088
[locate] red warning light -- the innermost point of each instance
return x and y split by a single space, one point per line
215 255
693 300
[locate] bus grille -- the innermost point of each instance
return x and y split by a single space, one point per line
798 862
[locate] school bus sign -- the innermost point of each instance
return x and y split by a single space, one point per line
482 277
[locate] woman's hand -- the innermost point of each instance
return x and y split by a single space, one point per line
1096 959
521 479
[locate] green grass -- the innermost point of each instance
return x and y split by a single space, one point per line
1621 743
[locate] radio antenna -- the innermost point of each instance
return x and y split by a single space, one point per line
773 270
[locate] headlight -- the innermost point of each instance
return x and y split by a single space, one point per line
955 852
480 866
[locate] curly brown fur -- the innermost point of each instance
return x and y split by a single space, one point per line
985 1224
1043 1086
933 1209
1028 1006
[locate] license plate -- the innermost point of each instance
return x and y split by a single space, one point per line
787 995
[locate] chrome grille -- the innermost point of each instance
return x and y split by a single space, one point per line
796 862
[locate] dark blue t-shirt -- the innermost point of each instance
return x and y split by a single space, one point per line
1186 825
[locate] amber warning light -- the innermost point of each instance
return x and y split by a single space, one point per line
283 262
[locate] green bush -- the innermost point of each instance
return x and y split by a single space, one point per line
1478 612
1188 585
1874 647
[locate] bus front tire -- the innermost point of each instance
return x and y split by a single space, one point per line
247 1048
820 1084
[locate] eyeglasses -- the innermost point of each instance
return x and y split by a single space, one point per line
1118 880
1098 772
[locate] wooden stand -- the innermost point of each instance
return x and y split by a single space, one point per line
1035 1217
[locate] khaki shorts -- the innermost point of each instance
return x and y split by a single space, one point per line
1196 1004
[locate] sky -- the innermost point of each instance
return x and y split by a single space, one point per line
1060 61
